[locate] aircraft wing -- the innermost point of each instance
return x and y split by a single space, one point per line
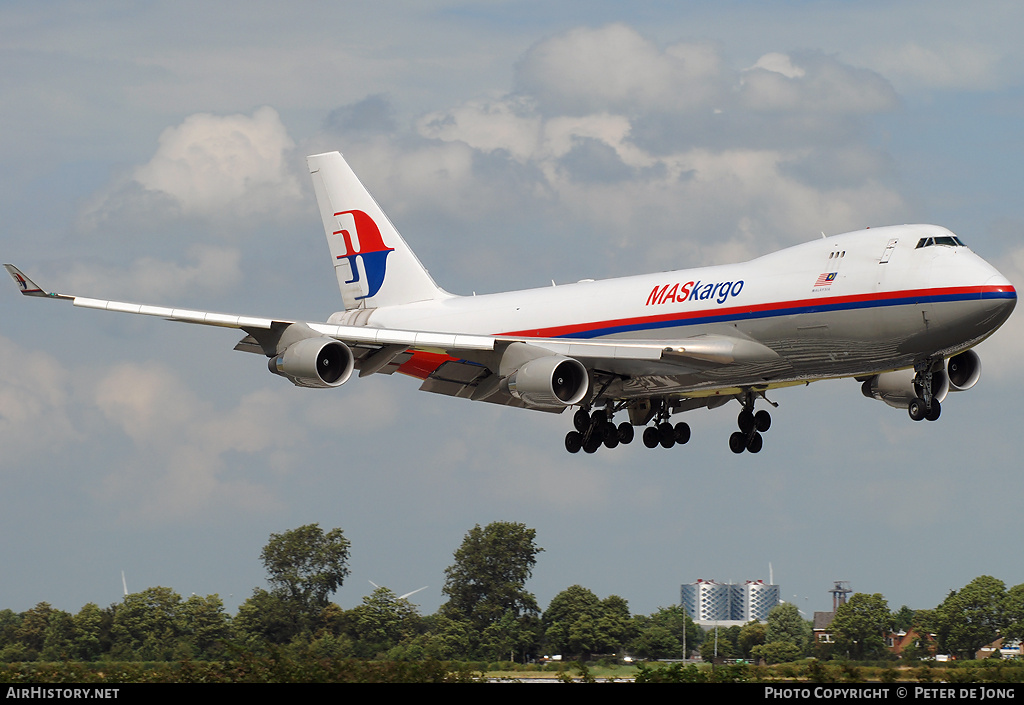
454 364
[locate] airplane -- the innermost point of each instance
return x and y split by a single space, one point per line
897 308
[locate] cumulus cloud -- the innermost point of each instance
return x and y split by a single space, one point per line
178 462
669 148
209 269
813 83
209 166
950 64
35 393
704 162
614 68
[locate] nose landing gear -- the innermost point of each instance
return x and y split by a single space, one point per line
925 406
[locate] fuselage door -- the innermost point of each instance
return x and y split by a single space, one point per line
888 250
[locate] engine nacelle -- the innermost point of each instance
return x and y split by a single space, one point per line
550 381
897 389
318 363
963 370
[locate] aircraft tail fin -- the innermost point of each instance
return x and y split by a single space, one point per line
374 265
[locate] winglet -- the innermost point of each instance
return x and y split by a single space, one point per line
29 287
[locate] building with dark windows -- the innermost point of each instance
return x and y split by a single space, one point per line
710 602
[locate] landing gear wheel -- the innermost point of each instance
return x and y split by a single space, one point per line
762 421
651 437
682 432
611 440
755 443
746 421
917 409
625 433
933 413
581 420
666 434
592 444
738 442
573 441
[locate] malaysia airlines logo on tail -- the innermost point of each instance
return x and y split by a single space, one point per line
371 249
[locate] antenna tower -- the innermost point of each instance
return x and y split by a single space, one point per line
839 592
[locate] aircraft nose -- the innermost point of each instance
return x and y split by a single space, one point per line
999 289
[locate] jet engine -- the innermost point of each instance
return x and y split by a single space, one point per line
550 381
318 363
963 370
897 389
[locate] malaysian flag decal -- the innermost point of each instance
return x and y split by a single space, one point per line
826 279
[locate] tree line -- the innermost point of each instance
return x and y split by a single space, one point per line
489 615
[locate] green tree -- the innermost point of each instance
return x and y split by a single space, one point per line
147 626
306 565
717 645
59 644
786 625
752 634
616 623
660 635
903 619
860 626
443 639
11 649
655 641
1013 612
511 638
381 622
971 618
571 622
31 630
489 575
777 652
266 618
206 625
88 624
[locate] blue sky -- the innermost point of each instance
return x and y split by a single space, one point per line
155 152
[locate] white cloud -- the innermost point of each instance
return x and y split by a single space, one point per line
779 63
602 120
210 166
35 395
614 68
212 162
814 83
210 269
950 64
177 464
487 125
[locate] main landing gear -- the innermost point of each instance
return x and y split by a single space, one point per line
925 406
665 434
752 425
594 430
597 429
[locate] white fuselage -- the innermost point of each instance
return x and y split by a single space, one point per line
848 305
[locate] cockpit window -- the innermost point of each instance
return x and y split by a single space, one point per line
947 240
